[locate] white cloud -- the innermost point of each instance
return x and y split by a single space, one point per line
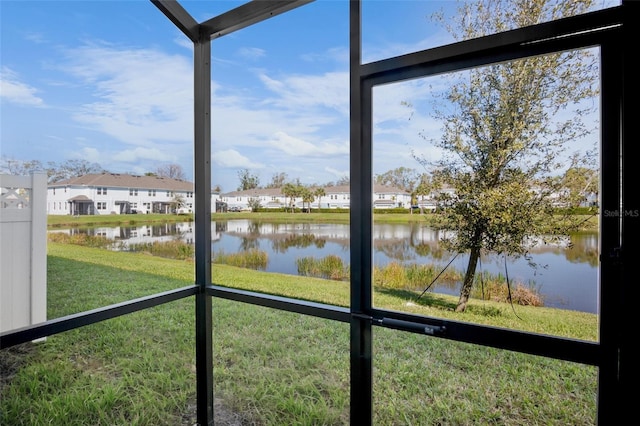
376 51
337 173
231 158
251 53
144 96
17 92
139 154
329 90
337 54
297 147
91 155
183 41
35 37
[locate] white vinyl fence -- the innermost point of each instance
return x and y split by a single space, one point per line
23 250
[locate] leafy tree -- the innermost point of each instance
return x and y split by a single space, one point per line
424 187
171 171
407 179
72 168
277 180
580 181
55 172
307 197
319 192
176 202
344 180
402 177
254 204
14 167
291 191
503 135
247 180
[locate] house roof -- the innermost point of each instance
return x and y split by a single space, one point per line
117 180
338 189
80 198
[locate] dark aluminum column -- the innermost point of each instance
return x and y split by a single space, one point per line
202 171
202 168
629 368
360 230
610 233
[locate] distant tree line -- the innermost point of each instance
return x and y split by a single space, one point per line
577 182
249 180
68 169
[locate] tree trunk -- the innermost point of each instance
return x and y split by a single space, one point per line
474 255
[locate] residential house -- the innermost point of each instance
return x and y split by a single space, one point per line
115 193
336 197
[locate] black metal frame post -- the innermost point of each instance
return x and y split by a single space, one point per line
610 232
201 35
361 226
629 368
202 167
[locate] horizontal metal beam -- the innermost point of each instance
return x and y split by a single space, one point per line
180 17
247 14
580 351
320 310
584 352
521 42
58 325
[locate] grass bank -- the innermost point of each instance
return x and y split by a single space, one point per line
272 367
588 222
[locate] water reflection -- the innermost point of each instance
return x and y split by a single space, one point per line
567 274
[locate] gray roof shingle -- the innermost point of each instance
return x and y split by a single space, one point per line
117 180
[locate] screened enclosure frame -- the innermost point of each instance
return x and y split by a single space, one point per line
612 30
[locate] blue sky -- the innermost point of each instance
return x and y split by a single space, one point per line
111 82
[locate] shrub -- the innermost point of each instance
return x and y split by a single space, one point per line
495 288
169 249
329 267
96 241
251 259
390 276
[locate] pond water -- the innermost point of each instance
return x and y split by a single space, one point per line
566 275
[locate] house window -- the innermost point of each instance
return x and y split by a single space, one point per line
133 192
102 205
102 191
152 193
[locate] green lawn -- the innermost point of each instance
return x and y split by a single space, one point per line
273 367
590 222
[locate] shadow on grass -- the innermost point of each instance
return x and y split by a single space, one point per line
436 302
427 299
